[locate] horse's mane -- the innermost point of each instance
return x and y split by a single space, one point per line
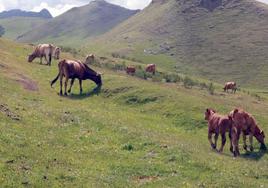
89 70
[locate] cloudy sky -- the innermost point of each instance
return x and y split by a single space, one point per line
57 7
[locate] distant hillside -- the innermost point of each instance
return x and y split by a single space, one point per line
16 26
20 13
216 39
79 24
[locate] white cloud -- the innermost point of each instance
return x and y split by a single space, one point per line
263 1
131 4
2 8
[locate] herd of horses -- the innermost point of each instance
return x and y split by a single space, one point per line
236 122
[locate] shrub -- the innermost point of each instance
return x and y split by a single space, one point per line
211 89
2 31
128 147
188 82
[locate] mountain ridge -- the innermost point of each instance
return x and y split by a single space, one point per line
44 13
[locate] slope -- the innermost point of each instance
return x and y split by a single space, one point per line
16 26
220 40
78 24
134 133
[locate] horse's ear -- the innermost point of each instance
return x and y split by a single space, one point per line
207 110
230 117
235 111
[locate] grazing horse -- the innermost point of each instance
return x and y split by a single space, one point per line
245 123
218 124
75 69
130 70
151 68
45 50
230 85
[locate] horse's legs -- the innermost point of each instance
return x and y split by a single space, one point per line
231 145
216 139
210 140
50 59
80 84
65 85
41 60
61 77
251 142
245 141
72 82
223 141
236 143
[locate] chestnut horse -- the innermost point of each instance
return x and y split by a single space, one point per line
75 69
218 124
245 123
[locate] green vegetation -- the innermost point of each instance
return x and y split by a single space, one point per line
2 31
223 45
135 133
17 26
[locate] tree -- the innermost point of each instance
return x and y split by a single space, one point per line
2 31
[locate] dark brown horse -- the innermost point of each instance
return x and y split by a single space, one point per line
75 69
245 123
151 68
218 124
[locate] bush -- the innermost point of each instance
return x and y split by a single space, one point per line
211 89
128 147
2 31
188 82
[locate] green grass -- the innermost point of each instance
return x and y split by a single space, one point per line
17 26
135 133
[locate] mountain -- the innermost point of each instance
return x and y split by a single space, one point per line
20 13
79 24
16 26
216 39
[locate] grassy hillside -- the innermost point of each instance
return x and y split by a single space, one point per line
227 43
79 24
135 133
16 26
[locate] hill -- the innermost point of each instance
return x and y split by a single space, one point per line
134 133
219 40
44 13
16 26
79 24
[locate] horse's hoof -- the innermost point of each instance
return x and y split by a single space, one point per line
263 147
245 147
251 149
213 146
65 94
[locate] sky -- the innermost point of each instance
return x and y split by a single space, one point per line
57 7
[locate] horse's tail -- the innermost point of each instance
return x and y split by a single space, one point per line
55 80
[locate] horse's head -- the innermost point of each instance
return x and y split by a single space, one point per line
57 53
31 57
208 113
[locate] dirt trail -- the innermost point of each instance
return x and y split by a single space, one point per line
27 83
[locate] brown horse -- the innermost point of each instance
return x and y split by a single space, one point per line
151 68
230 85
245 123
218 124
130 70
75 69
45 50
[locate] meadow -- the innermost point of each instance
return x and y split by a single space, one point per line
134 133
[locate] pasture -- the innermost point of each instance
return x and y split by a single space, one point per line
135 133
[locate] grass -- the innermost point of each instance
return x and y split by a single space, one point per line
135 133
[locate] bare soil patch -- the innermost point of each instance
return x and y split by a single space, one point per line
27 83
